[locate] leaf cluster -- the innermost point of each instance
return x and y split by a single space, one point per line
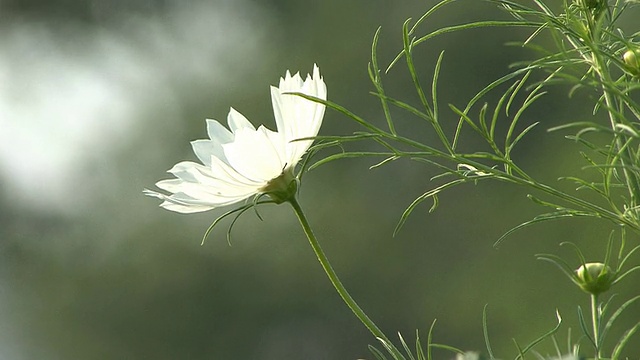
586 53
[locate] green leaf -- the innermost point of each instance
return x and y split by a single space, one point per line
616 315
241 210
377 353
485 332
421 198
544 336
374 75
542 218
584 327
624 341
347 155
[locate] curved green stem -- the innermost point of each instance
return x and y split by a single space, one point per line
335 281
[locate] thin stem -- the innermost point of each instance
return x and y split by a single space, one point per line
595 316
601 69
631 179
335 281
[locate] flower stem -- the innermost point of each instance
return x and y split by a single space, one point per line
595 315
335 281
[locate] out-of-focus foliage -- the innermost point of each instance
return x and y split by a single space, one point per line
99 98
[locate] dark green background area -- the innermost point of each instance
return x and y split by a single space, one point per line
124 279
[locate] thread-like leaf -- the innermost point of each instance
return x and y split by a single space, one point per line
485 332
421 198
541 218
617 314
624 341
542 337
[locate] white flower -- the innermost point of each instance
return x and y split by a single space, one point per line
242 161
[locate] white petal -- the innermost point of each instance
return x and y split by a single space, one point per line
237 121
219 177
185 207
277 110
185 199
205 149
199 194
297 117
218 133
183 203
257 155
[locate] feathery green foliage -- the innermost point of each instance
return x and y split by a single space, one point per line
577 44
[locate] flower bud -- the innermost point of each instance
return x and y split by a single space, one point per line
592 4
632 59
595 278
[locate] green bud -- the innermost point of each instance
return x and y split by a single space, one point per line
595 278
595 6
632 59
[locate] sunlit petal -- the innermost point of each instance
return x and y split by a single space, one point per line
257 155
237 121
218 182
218 133
205 149
297 117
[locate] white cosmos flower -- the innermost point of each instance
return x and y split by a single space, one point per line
242 161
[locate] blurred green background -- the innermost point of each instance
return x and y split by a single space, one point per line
99 98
